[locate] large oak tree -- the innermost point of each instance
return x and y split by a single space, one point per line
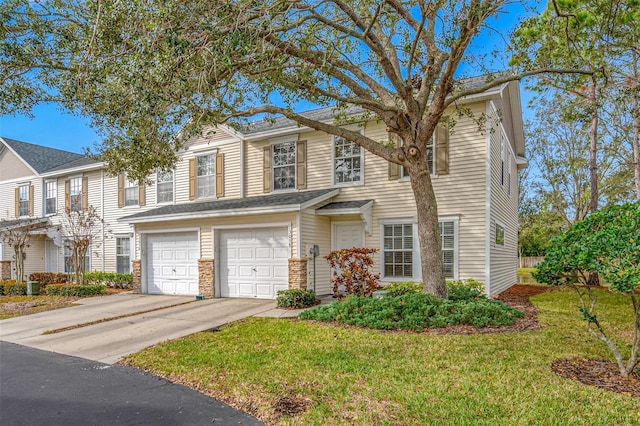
144 69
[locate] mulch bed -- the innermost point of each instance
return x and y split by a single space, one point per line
597 372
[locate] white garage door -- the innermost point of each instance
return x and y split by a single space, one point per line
254 263
172 263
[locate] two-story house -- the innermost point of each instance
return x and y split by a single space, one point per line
242 211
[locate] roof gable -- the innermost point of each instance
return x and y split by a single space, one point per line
43 159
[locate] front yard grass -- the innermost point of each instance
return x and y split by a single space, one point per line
15 306
296 372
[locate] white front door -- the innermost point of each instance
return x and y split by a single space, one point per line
50 256
172 263
254 262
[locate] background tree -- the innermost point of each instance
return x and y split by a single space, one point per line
80 230
141 70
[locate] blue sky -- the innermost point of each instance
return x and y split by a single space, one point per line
55 128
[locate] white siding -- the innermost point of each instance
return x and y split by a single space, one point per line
317 230
504 210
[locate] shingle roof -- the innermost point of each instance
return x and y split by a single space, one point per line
345 205
238 204
18 223
44 159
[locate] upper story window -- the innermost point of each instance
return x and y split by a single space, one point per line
284 166
23 200
347 161
430 158
206 176
164 187
50 197
75 194
503 156
131 192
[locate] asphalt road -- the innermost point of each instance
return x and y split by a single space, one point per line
45 388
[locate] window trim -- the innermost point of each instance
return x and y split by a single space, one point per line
123 237
211 154
333 164
432 170
173 187
21 187
417 270
133 187
495 234
45 193
294 165
71 203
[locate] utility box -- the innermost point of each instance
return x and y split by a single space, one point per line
33 288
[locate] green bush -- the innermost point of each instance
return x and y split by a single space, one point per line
45 278
295 298
13 288
75 290
404 287
110 279
468 289
415 311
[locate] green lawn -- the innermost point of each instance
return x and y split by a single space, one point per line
354 376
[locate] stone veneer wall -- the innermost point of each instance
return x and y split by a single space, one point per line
298 273
137 279
5 270
205 278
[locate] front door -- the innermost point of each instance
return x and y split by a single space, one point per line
348 235
50 256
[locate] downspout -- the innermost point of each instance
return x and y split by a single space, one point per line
242 167
102 210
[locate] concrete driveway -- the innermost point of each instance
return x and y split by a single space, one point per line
148 320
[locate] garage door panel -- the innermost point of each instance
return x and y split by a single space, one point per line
260 258
173 263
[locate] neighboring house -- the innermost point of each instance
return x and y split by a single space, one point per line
241 212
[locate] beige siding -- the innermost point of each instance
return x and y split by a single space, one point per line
317 230
12 167
504 210
212 135
461 192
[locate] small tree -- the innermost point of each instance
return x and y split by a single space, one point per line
607 242
350 271
80 230
17 235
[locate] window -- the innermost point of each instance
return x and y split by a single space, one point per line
123 255
430 159
400 255
50 197
23 200
68 259
347 161
75 194
398 250
164 187
509 177
131 192
499 235
448 240
284 166
206 176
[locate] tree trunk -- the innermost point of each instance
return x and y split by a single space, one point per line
593 168
636 128
428 232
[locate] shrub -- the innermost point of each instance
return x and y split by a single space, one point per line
13 288
110 279
414 311
404 287
45 278
606 242
75 290
468 289
350 271
295 298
